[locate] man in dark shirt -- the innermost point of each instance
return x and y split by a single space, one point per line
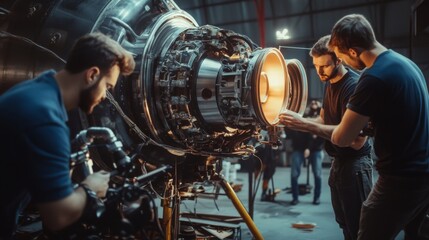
350 177
35 141
392 93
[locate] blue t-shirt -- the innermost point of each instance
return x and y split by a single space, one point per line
393 93
34 147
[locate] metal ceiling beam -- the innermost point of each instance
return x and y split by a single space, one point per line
380 2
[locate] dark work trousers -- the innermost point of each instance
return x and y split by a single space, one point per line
350 181
315 160
396 203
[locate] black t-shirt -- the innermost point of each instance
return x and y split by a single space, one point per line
316 143
393 93
300 140
334 105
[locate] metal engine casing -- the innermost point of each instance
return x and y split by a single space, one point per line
196 89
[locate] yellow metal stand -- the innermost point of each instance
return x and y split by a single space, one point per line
240 208
168 212
167 218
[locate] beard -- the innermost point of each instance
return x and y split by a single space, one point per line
87 98
333 74
360 65
357 64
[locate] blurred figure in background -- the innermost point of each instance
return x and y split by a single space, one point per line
307 146
266 153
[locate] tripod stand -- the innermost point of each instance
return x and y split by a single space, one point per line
171 210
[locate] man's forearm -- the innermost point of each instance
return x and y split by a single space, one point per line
321 130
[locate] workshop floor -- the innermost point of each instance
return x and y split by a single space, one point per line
274 219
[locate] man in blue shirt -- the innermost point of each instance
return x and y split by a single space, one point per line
392 94
35 143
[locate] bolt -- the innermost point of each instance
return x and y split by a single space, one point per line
55 37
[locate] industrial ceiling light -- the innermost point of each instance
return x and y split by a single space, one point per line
282 35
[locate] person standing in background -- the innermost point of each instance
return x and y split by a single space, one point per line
268 159
307 146
316 152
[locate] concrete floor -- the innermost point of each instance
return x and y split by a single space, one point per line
274 219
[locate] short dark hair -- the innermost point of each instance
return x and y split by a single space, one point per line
97 49
320 48
352 31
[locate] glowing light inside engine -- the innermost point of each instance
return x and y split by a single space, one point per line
264 86
272 86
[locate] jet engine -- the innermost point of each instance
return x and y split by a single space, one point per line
198 90
197 94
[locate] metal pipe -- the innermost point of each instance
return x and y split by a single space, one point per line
166 218
240 208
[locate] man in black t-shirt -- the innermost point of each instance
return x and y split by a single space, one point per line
350 176
392 93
